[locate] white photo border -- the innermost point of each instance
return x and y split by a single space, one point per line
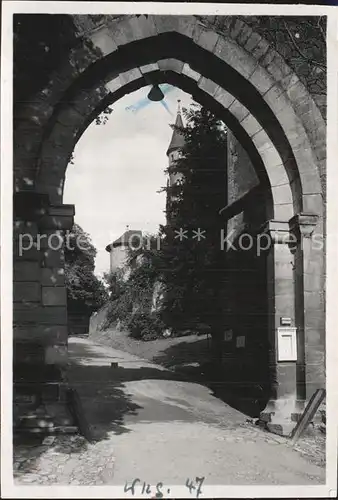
9 490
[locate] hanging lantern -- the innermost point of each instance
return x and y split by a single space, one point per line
155 94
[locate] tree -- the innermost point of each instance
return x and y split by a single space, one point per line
85 292
191 256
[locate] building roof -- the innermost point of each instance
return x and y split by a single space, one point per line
129 237
177 139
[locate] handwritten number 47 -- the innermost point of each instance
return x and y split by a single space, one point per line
197 486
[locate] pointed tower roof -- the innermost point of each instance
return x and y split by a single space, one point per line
129 237
177 139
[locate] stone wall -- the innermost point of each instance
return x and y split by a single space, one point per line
98 320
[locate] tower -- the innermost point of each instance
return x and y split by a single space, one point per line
174 150
118 250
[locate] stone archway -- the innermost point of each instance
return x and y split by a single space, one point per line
261 100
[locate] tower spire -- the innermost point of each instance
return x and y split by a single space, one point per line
177 139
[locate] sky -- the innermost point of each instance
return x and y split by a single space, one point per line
119 167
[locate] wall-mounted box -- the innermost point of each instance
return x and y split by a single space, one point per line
228 335
287 343
240 341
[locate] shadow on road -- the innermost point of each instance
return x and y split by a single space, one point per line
104 401
192 359
102 391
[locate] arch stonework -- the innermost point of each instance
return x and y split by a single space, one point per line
252 88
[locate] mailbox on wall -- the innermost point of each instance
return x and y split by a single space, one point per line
287 343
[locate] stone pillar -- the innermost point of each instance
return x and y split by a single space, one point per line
40 308
296 291
309 305
281 304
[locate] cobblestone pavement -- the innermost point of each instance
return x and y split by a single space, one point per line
149 423
69 460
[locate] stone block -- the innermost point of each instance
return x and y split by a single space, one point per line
185 25
278 67
320 148
244 35
164 24
301 99
56 355
278 176
238 110
70 118
54 188
251 125
64 134
26 271
25 312
170 65
130 76
44 334
261 80
208 86
284 286
53 258
205 38
319 382
277 99
26 250
27 354
294 128
103 41
314 300
148 68
316 130
313 203
114 85
236 28
236 57
57 222
262 141
288 81
87 101
252 41
40 315
314 319
313 280
50 238
24 227
261 49
315 363
315 337
311 183
190 73
224 98
54 296
122 33
52 276
271 159
283 212
26 291
282 194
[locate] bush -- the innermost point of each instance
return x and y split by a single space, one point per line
145 326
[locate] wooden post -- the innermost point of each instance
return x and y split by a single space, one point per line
308 414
